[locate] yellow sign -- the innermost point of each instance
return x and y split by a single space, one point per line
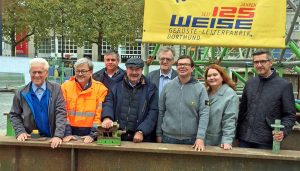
227 23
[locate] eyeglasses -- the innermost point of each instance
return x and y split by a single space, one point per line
165 59
183 65
262 62
83 72
37 72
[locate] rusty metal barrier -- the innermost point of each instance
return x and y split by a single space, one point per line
37 155
291 142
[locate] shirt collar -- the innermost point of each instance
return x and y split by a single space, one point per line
273 74
43 87
87 85
165 75
132 84
116 71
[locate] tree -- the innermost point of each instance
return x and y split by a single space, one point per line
15 20
116 20
81 20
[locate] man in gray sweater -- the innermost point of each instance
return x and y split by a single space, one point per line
183 108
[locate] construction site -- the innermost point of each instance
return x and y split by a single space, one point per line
185 33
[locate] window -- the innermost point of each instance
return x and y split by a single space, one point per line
131 49
151 48
52 44
105 46
5 46
45 46
69 46
88 48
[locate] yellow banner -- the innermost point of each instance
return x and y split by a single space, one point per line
226 23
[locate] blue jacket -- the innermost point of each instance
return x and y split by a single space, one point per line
106 80
147 107
21 114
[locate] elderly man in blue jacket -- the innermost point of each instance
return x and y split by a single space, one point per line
39 105
133 103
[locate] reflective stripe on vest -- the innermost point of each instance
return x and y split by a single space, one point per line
100 105
84 114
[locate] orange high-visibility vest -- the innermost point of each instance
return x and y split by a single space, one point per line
83 107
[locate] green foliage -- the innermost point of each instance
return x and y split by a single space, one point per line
114 19
80 20
15 19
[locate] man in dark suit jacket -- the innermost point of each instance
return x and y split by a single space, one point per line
163 75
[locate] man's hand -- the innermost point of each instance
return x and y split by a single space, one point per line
226 146
159 139
199 145
149 60
69 138
23 137
87 139
278 136
107 123
55 141
138 137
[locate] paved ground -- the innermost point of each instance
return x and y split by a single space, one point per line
5 105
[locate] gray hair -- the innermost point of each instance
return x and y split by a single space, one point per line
166 49
263 51
39 61
113 53
84 61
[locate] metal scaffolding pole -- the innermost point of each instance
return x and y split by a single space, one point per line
292 5
288 37
246 63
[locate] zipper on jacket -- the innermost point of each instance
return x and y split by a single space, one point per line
181 96
49 106
129 109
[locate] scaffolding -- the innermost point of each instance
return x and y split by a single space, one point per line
238 61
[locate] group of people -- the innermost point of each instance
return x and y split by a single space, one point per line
167 106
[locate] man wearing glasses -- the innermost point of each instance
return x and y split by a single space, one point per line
84 97
183 108
112 73
163 75
265 98
39 106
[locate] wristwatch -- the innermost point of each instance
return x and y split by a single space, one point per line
140 132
